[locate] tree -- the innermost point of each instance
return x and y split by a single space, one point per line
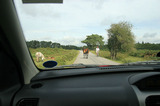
33 44
93 40
45 44
120 38
55 45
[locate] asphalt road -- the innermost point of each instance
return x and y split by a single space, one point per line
93 59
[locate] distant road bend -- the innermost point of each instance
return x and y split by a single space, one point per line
93 59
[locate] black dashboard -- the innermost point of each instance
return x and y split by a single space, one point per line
151 83
97 87
147 88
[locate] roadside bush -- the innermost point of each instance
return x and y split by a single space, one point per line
105 54
121 56
144 53
138 53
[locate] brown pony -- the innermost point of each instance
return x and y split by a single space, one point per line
85 53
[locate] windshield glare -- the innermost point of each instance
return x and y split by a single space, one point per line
91 32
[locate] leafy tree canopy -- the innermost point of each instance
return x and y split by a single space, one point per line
121 38
93 40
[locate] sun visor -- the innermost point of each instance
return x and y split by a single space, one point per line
42 1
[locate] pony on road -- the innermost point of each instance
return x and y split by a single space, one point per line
85 53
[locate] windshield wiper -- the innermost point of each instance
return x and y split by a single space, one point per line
152 62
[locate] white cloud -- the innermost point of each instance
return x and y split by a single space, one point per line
75 19
149 35
70 40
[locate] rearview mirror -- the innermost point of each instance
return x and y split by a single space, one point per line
42 1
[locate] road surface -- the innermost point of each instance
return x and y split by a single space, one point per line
93 59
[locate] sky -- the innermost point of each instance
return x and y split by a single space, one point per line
70 22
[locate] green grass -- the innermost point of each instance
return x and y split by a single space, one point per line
122 57
106 54
132 59
62 56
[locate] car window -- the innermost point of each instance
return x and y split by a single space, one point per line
91 32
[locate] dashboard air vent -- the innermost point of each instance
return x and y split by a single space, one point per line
153 100
28 102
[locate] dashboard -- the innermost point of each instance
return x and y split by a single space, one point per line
151 83
147 88
97 87
111 86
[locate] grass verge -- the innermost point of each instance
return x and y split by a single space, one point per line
61 56
121 57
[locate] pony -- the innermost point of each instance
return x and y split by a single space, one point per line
85 53
39 55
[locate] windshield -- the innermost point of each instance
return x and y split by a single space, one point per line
91 32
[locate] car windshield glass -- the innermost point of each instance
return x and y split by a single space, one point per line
91 32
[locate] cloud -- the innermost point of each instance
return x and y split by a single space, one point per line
94 11
149 35
70 40
73 20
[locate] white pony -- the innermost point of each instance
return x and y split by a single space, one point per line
39 55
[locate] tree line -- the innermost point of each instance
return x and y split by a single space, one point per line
149 46
48 44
